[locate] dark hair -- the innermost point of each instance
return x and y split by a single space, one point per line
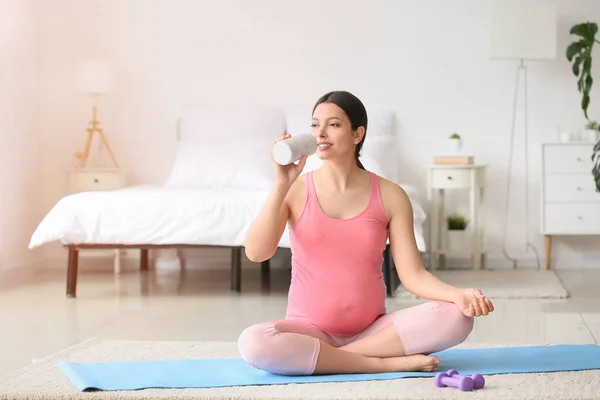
354 109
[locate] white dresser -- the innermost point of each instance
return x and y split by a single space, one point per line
570 203
94 179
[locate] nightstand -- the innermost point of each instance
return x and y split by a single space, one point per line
441 178
95 179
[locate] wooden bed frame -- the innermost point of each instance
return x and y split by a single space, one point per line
236 263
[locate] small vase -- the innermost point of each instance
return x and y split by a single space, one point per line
591 135
455 145
566 137
457 239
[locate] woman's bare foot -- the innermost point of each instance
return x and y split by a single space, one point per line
412 363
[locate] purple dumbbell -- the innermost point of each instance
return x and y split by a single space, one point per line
478 380
463 383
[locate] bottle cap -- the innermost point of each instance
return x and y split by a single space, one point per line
282 153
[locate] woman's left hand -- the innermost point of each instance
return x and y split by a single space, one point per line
473 303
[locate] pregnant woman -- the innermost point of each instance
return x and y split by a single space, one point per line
340 217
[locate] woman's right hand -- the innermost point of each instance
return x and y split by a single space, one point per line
287 174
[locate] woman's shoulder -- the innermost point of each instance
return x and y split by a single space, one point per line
393 196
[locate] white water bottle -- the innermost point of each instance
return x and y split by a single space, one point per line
291 150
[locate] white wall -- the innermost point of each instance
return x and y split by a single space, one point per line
427 60
20 180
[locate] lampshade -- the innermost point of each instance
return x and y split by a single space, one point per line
95 77
524 31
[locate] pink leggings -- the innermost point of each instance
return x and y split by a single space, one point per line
289 347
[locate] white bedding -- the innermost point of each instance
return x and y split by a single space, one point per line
162 215
151 215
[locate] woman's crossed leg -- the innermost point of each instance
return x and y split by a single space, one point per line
396 342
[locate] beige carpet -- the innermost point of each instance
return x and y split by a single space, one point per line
44 380
502 284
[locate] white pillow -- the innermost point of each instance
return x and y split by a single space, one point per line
227 147
384 149
247 165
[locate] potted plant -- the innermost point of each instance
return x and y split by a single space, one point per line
579 53
457 236
455 143
591 131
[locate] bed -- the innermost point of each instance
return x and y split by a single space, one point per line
207 201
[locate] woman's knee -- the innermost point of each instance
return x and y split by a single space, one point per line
266 347
254 346
457 325
432 327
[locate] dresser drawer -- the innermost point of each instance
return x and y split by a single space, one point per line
572 218
85 181
570 187
568 159
454 178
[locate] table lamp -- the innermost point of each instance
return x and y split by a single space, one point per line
522 32
95 77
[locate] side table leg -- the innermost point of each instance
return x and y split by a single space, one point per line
440 230
431 207
475 208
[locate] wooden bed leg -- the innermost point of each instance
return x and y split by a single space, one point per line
236 269
72 272
144 260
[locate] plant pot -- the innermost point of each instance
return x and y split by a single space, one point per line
457 239
566 137
455 145
590 135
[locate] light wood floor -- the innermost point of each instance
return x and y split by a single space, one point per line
197 305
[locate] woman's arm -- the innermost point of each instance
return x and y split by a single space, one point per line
265 232
405 253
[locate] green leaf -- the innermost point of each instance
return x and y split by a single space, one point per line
575 48
586 30
585 102
576 65
579 53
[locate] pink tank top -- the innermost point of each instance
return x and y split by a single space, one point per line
337 283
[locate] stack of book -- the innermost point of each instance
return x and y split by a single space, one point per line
454 159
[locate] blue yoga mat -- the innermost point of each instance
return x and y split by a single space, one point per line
208 373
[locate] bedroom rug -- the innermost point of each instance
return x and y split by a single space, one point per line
501 283
45 381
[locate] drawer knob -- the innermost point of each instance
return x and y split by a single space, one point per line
579 217
95 180
449 178
578 188
579 159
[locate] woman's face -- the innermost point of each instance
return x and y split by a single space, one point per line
333 131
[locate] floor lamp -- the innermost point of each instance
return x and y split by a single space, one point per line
95 77
522 32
